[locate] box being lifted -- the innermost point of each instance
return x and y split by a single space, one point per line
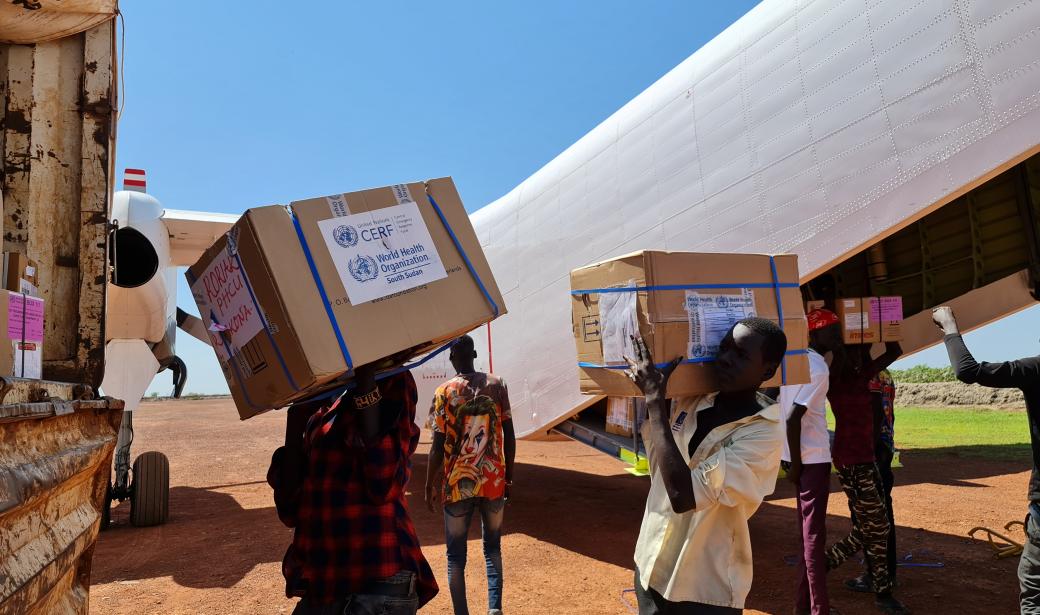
295 297
682 303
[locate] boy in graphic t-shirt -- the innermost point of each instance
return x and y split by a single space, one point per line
471 464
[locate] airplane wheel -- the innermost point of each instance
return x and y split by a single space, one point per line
150 492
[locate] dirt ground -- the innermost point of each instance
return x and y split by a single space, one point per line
568 539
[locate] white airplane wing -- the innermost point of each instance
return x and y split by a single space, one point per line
816 128
192 232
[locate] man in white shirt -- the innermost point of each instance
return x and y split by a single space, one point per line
713 458
807 455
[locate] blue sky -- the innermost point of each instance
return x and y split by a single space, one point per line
228 107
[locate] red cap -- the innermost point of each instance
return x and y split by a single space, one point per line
820 318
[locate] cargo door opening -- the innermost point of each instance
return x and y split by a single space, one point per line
611 425
978 253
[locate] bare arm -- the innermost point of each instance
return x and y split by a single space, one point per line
665 457
509 442
892 352
434 467
794 441
368 418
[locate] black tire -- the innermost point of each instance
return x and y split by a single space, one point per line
106 508
150 491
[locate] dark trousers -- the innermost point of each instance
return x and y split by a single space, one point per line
870 524
652 603
1029 569
884 464
398 597
814 486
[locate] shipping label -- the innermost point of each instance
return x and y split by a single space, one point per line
712 316
25 318
222 294
857 321
891 309
382 252
28 359
618 322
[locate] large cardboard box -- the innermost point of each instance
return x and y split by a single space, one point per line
860 319
620 416
871 320
21 335
624 414
20 274
294 297
682 303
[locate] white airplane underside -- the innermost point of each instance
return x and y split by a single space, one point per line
819 128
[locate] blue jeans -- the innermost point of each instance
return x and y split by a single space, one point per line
457 517
403 600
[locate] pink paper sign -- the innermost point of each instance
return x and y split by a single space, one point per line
25 312
891 309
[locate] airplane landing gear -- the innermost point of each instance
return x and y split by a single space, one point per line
149 489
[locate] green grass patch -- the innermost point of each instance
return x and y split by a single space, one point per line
980 433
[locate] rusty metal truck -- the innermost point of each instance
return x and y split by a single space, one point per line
58 100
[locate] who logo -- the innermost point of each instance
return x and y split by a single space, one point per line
363 268
345 235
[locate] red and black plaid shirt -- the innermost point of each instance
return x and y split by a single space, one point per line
346 500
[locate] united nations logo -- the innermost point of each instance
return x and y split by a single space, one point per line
699 350
345 235
363 268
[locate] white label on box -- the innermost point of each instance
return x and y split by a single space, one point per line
856 321
27 287
618 322
223 296
617 412
712 316
382 252
338 205
28 359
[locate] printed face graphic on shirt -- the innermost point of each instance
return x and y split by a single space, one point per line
474 438
475 452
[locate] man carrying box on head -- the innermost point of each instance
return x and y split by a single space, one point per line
852 371
339 481
471 461
807 455
1021 374
713 458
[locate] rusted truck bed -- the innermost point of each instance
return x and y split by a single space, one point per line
57 129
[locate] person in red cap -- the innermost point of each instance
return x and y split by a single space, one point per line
807 459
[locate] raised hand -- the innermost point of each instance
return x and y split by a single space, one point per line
651 379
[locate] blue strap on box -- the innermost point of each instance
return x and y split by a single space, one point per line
234 365
462 253
776 285
779 315
321 289
267 328
380 376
